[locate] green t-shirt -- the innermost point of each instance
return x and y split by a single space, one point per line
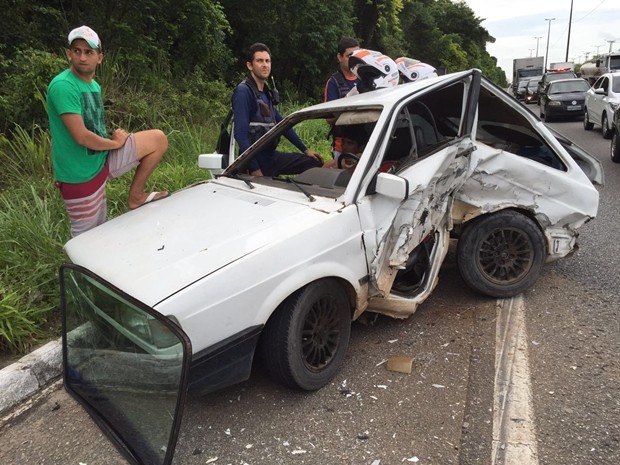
74 163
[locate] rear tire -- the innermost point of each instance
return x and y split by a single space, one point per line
605 129
587 125
615 147
501 254
305 341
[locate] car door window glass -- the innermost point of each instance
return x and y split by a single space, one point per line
125 363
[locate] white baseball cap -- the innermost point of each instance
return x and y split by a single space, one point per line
86 33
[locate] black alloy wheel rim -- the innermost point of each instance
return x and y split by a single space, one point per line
506 256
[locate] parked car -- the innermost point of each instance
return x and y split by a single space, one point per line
601 101
520 90
553 75
615 136
531 91
184 292
564 98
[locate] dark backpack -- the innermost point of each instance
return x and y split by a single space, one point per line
223 139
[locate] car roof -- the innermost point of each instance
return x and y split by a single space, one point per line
383 97
567 80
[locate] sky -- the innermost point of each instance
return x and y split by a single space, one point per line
515 24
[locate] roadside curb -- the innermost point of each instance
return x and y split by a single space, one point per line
29 374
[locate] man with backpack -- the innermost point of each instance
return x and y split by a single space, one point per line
340 84
254 113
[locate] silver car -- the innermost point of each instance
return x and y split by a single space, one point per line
601 101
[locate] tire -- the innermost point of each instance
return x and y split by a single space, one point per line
305 341
615 147
587 125
605 129
501 254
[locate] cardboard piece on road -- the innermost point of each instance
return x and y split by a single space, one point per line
400 364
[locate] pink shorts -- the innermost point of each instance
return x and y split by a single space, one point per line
86 203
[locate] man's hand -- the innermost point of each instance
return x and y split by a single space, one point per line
120 136
257 172
312 154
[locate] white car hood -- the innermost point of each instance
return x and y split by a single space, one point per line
160 248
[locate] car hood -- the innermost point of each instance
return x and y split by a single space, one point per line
162 247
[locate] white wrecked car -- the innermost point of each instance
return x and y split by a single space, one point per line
188 289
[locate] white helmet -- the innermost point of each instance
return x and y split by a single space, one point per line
374 70
414 70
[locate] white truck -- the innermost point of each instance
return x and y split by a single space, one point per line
593 69
524 68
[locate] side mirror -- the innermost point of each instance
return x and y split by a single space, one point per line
392 186
211 161
600 91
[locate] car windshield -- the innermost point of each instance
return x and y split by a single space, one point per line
565 87
558 76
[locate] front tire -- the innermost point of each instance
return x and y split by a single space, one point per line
305 341
587 125
605 128
501 254
615 147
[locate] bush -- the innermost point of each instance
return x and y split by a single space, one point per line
22 101
23 155
33 228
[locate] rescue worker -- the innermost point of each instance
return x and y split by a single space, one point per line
339 84
254 113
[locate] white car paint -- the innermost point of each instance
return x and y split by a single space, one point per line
603 98
221 256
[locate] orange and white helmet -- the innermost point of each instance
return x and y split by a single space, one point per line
414 70
374 70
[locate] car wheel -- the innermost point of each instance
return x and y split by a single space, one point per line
587 125
305 341
501 254
606 130
615 147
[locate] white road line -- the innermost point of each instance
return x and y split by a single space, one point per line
514 434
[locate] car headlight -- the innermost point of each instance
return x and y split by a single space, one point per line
555 103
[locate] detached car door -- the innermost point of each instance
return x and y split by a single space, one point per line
126 364
427 147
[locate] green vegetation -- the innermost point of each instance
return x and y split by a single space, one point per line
172 64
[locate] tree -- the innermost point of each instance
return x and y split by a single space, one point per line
302 37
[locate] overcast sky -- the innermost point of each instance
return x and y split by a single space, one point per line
515 24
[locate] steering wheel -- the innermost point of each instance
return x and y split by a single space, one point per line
351 158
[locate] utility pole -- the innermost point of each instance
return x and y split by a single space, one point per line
597 47
537 40
548 35
570 20
531 52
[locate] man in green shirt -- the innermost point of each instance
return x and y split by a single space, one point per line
84 154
